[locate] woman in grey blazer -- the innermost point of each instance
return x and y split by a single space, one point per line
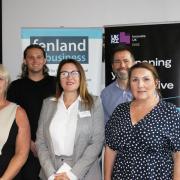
70 134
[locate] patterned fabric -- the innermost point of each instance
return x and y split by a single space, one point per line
111 97
144 150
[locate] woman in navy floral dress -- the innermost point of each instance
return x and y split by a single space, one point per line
143 136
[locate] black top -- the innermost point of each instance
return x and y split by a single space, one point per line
8 150
144 150
30 95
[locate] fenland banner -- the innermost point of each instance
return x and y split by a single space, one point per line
82 44
158 44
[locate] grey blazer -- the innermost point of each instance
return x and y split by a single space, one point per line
89 139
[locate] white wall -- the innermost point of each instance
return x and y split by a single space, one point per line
76 13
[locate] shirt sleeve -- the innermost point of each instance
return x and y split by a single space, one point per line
106 115
66 168
51 177
110 132
175 131
71 175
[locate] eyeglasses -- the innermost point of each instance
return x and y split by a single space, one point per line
65 74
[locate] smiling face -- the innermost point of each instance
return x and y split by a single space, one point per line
35 60
122 61
143 84
71 82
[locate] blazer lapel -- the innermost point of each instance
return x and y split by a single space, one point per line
80 109
51 112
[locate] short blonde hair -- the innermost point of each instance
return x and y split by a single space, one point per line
5 74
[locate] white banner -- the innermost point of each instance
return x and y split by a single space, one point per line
82 44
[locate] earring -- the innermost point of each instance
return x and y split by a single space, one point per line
155 93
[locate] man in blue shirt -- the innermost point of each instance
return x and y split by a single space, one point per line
118 92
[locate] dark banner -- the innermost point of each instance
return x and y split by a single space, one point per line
157 44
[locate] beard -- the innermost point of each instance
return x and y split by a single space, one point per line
122 74
35 70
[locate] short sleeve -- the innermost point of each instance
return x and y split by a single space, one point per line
175 131
111 133
118 127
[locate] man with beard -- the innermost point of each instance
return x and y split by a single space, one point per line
118 92
29 92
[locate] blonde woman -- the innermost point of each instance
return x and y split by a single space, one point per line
15 133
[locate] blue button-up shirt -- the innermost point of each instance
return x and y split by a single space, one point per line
111 96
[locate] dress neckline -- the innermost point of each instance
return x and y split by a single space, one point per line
144 117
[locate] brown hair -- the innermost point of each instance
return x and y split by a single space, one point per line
83 91
150 68
24 67
120 48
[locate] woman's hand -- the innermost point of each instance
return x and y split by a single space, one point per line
61 176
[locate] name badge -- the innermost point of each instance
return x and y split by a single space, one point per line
83 114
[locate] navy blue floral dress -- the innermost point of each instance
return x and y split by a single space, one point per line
144 150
